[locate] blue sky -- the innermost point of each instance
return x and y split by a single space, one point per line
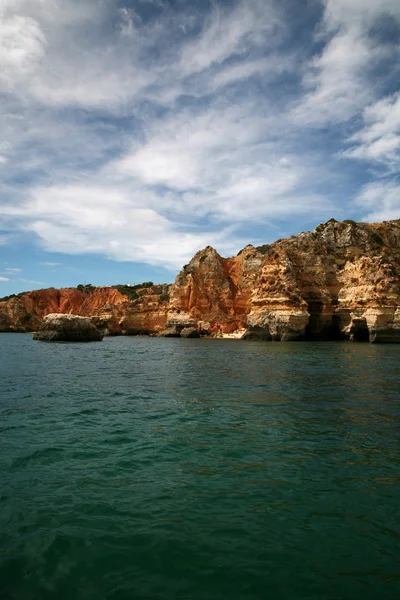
132 134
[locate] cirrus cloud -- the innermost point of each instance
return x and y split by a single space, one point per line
144 134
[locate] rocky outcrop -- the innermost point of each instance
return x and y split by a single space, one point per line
340 281
144 316
177 323
216 292
25 312
190 332
377 325
113 312
67 328
283 324
6 324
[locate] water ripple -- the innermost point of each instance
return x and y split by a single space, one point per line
164 469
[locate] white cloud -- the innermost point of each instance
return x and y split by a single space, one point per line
145 139
50 264
153 60
36 66
197 157
4 279
265 67
78 219
223 167
22 45
358 12
30 281
10 270
336 82
380 200
229 34
379 139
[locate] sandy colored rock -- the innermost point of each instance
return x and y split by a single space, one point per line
113 313
204 327
170 332
67 328
190 332
340 281
305 287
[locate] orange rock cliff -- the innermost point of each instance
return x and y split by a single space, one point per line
340 281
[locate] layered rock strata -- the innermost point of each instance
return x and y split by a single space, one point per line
340 281
113 312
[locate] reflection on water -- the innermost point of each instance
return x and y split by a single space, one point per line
162 468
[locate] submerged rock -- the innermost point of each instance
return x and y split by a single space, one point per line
58 327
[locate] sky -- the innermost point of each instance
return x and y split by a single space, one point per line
134 133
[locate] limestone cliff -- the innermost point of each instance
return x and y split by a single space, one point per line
111 311
340 281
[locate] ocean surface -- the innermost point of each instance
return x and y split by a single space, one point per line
168 469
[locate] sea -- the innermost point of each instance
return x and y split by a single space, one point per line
171 469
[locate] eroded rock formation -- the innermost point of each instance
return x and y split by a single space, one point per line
340 281
58 327
113 312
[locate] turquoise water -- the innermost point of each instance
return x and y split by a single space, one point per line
144 468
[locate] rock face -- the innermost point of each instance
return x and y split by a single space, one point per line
215 292
113 312
340 281
177 323
67 328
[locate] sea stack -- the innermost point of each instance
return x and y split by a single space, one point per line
58 327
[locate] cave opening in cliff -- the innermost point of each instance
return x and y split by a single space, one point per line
336 329
360 331
322 326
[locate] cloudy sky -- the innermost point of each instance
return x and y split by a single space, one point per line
133 133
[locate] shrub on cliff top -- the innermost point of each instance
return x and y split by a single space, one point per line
86 288
135 291
5 298
378 239
127 291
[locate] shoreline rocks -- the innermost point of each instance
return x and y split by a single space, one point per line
338 282
179 325
58 327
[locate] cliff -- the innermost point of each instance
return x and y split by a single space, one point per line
340 281
111 311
